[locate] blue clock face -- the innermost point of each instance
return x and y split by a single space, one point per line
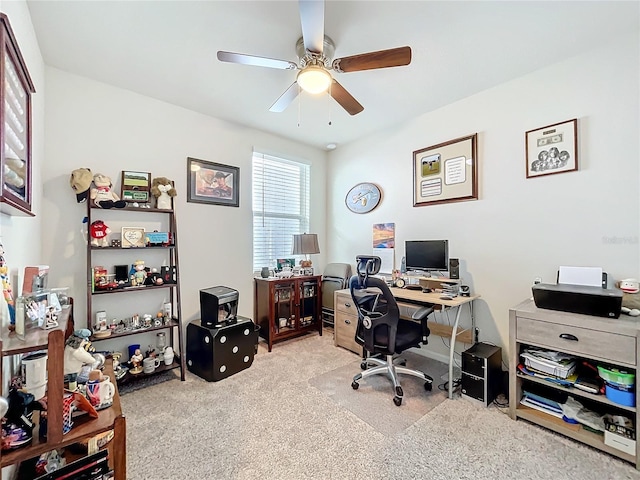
363 198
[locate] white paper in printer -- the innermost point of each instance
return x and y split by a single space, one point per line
588 276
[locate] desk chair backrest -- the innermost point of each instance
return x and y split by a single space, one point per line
335 277
378 312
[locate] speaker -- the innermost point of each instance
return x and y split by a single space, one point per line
217 353
454 268
481 373
403 265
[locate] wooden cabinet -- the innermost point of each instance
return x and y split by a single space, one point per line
287 307
16 89
84 427
123 302
345 322
596 339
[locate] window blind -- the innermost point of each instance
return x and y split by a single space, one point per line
280 190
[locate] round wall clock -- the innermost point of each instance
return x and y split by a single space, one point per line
363 198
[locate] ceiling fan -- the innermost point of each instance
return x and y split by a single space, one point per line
315 52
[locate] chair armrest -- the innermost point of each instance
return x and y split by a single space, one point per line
421 315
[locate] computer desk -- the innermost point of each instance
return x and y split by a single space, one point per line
406 297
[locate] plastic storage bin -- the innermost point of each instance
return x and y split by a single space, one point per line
621 394
615 376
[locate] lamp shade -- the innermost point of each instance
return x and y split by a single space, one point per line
314 79
305 243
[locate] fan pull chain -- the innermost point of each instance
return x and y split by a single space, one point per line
299 105
329 102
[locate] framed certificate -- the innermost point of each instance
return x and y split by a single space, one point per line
133 237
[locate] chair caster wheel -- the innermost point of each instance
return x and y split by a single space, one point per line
363 365
399 393
428 386
397 401
355 385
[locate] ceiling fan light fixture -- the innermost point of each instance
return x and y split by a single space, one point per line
314 79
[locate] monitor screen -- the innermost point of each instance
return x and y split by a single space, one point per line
427 255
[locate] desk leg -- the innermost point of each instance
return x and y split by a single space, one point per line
452 346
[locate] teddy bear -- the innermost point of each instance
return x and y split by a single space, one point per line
162 189
630 296
102 195
80 182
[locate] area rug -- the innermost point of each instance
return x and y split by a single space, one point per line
138 384
373 401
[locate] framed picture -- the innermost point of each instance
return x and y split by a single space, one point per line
552 149
214 183
446 172
133 237
135 186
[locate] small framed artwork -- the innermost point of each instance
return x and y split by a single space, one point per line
135 186
446 172
133 237
213 183
552 149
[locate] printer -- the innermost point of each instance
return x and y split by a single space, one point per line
583 299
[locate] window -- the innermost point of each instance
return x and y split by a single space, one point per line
280 207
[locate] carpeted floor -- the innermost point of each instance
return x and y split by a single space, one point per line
280 420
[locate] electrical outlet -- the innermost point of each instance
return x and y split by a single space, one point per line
537 280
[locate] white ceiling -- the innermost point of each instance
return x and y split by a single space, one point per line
167 50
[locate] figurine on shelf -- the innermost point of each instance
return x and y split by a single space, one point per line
136 362
98 231
7 294
139 274
162 189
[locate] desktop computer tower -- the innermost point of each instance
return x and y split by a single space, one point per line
481 373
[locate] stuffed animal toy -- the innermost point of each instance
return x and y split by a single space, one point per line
80 182
630 296
162 189
102 195
99 231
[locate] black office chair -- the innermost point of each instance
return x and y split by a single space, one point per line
335 277
380 329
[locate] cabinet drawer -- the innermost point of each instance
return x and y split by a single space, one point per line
344 303
345 332
590 343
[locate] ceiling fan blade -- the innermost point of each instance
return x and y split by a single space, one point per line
312 20
394 57
286 98
345 99
255 60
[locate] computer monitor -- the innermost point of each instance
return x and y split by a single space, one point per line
427 255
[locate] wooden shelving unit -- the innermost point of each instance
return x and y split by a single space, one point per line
145 298
84 427
595 339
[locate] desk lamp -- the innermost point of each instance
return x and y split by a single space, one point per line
305 244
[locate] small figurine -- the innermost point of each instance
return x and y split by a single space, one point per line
162 189
102 195
98 231
136 361
76 354
7 293
139 275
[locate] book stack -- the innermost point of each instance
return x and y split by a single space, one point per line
556 364
543 404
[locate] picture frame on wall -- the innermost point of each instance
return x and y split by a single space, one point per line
552 149
446 172
135 186
213 183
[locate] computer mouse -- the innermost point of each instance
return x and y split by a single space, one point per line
446 297
426 290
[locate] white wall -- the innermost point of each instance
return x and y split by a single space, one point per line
519 228
107 129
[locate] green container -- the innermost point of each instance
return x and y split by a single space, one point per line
616 376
